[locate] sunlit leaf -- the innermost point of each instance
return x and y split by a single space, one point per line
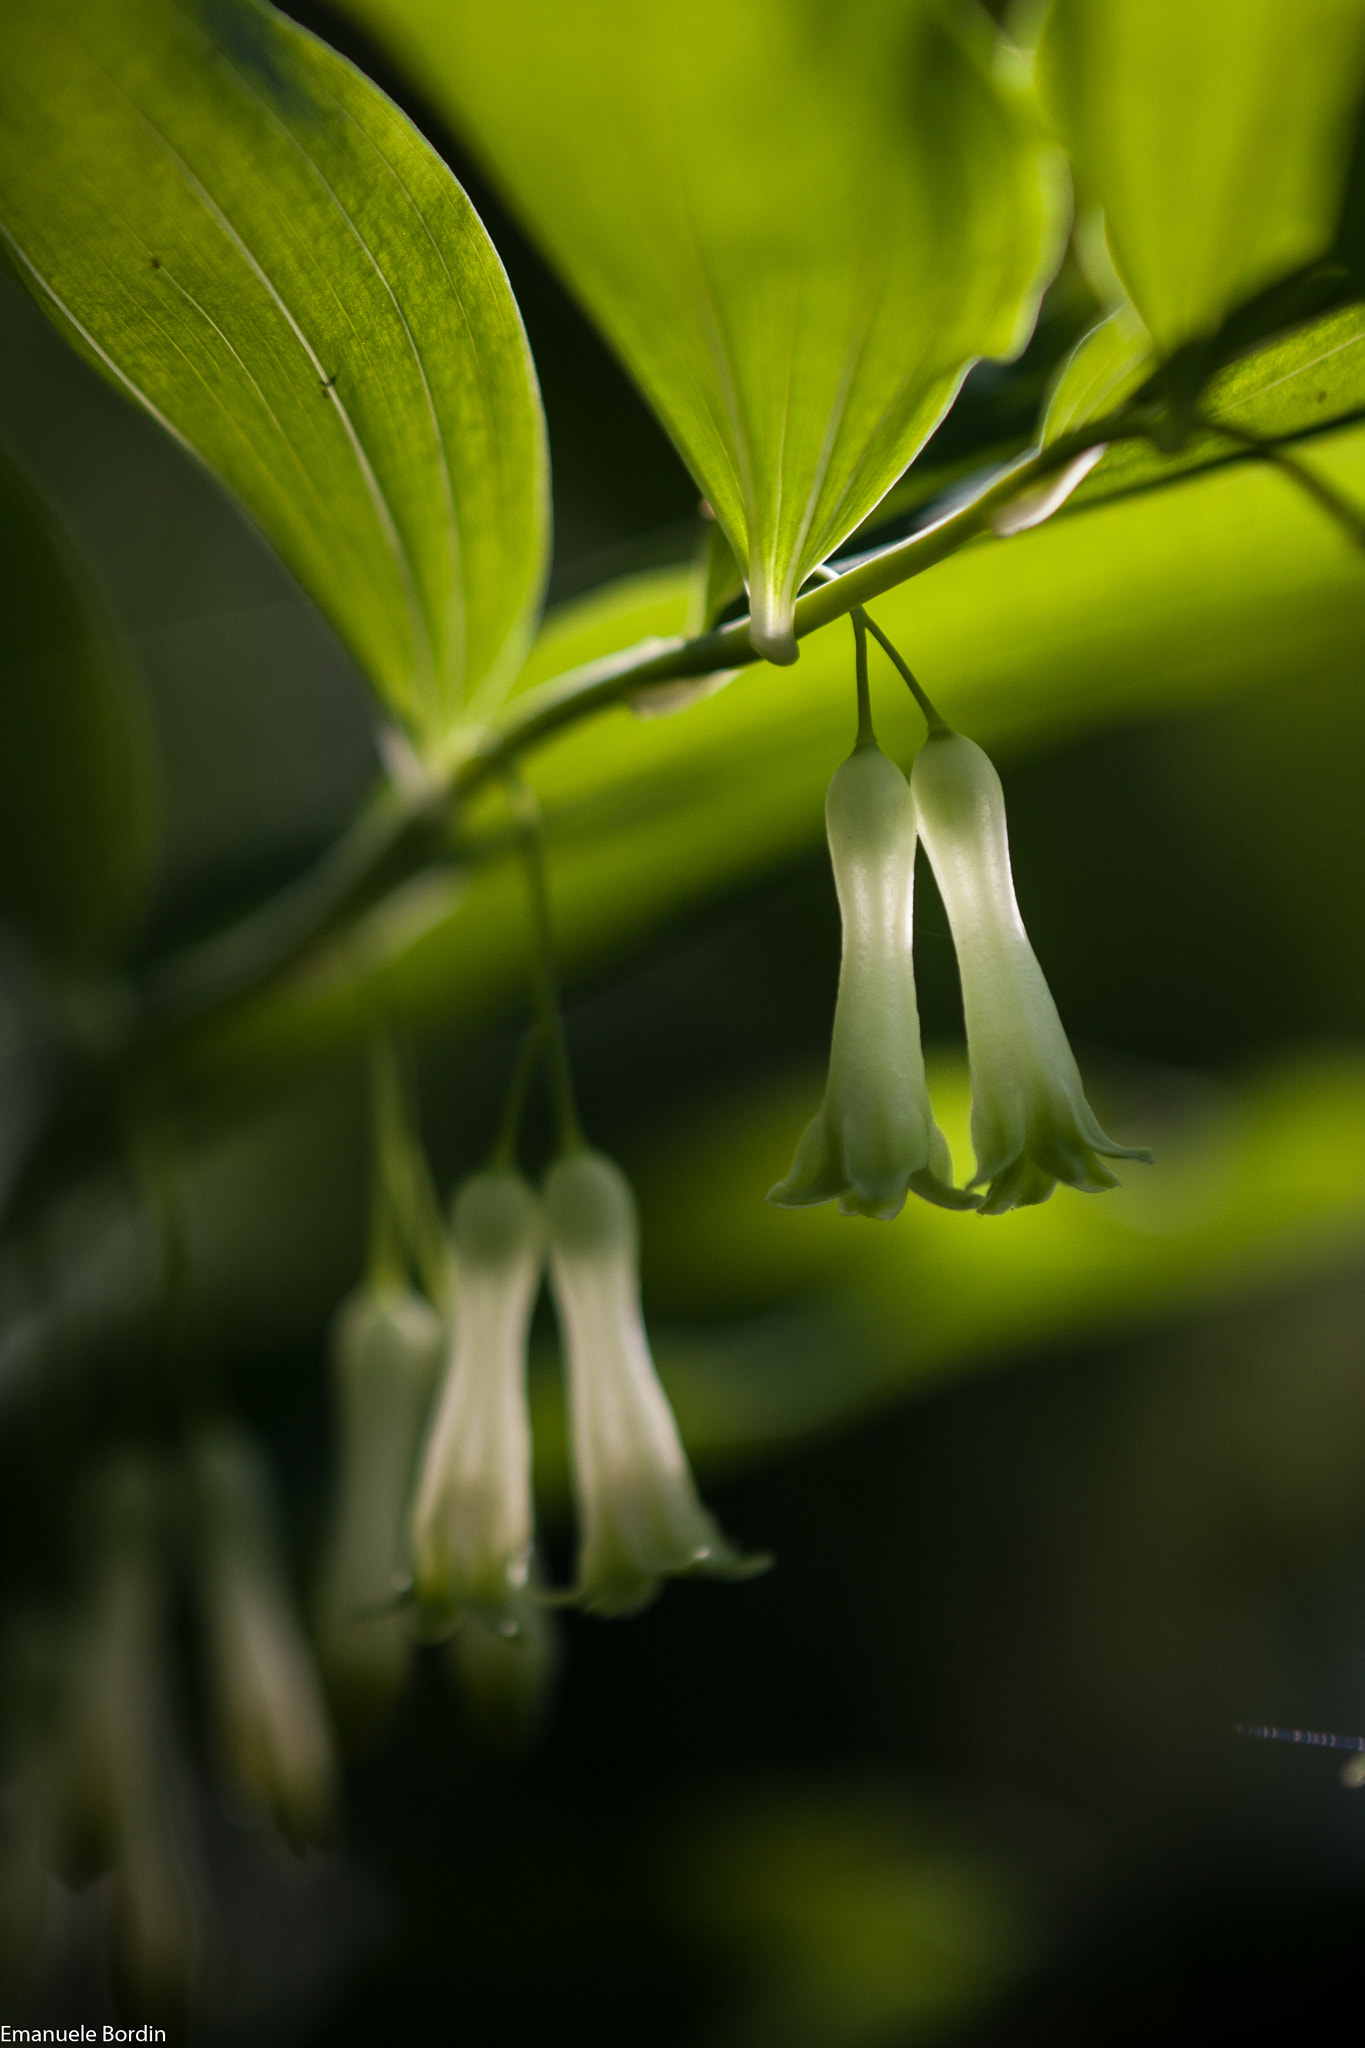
1105 367
1290 390
1295 385
797 225
248 238
1214 134
76 783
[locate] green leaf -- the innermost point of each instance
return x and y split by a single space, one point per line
76 780
797 225
1215 135
1106 366
247 237
1293 390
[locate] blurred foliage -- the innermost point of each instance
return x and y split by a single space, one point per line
76 777
960 1765
1219 160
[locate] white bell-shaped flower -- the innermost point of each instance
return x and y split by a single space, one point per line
1031 1123
385 1356
273 1736
117 1771
874 1138
473 1516
640 1518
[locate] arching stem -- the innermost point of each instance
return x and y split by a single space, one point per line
1330 501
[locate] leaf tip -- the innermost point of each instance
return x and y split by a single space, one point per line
772 631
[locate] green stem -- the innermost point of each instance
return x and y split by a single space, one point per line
405 828
932 718
504 1154
407 1231
551 1031
538 714
866 736
386 1265
397 833
1323 495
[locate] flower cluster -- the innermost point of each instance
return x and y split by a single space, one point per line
102 1783
875 1138
472 1534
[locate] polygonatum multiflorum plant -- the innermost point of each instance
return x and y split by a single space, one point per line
799 225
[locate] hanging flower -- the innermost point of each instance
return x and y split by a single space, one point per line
273 1737
1031 1123
385 1354
116 1780
641 1519
874 1138
472 1523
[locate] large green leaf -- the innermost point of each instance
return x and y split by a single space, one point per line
797 224
1214 134
76 785
239 230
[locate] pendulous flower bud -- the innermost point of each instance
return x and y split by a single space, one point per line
118 1772
1031 1123
641 1520
386 1351
273 1737
874 1138
473 1518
